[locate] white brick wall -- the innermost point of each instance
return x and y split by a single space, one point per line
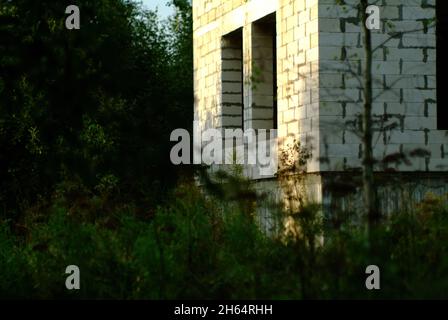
404 80
319 57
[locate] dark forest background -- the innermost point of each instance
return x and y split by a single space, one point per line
92 107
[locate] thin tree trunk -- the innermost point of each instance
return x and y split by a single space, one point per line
370 198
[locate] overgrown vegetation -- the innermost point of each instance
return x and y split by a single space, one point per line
85 179
95 105
198 248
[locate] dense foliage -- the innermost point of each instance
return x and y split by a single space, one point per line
95 105
193 248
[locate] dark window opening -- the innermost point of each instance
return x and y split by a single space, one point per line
442 64
275 87
232 80
264 73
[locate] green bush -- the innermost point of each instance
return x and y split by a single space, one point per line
195 249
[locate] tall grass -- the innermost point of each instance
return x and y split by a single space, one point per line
196 248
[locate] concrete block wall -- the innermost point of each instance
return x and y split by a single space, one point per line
298 77
319 72
404 70
297 67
